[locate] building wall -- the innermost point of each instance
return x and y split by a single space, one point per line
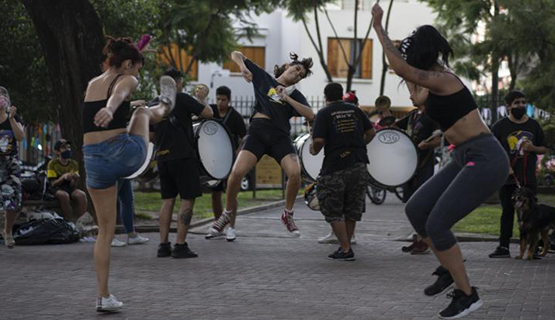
280 35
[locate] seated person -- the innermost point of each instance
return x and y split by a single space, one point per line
63 173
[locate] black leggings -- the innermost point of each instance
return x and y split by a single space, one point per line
479 168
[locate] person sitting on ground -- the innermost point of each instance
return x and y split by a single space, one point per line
63 173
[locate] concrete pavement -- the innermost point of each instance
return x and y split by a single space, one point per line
266 274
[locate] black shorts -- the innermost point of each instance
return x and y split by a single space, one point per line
180 176
263 137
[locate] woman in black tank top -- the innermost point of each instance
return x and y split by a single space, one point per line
480 166
112 149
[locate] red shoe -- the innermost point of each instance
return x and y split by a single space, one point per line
289 222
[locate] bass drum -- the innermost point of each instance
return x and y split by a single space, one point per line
149 170
214 150
310 165
393 158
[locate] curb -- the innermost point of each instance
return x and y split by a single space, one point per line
154 228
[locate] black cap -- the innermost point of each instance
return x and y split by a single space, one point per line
60 143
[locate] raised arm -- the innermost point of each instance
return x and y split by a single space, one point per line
437 82
239 59
17 128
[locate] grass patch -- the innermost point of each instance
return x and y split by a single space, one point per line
152 201
486 219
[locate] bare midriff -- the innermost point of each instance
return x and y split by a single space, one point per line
259 115
99 136
466 128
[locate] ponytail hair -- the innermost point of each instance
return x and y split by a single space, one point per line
425 47
117 50
306 63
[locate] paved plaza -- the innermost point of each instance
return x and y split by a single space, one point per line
266 274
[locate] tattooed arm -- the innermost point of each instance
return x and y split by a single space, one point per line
437 82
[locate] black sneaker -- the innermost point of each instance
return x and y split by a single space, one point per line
181 251
164 250
500 252
461 305
443 282
339 255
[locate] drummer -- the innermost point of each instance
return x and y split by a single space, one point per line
343 130
178 165
233 121
277 101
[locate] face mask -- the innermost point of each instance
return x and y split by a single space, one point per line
518 112
66 154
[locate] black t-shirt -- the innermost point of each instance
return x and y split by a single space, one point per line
342 126
175 139
268 101
512 135
8 143
234 123
419 127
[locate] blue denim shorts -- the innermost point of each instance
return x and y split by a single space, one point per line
110 160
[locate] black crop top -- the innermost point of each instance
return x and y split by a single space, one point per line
91 108
446 110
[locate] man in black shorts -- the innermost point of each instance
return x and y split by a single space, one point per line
178 165
277 101
343 130
234 123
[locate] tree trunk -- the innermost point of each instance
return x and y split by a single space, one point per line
71 37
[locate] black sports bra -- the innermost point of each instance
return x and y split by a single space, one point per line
446 110
91 108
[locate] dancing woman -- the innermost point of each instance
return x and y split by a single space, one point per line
269 132
112 149
480 165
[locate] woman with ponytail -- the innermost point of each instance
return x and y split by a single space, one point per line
480 165
112 149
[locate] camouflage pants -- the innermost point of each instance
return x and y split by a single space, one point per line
10 180
341 195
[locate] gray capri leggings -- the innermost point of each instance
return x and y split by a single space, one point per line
480 167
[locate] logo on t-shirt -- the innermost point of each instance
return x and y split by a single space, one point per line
516 141
274 96
6 141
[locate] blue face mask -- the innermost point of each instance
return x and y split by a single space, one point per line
66 154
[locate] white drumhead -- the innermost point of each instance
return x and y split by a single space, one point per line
215 149
310 164
144 167
393 157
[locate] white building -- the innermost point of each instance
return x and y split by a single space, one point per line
279 35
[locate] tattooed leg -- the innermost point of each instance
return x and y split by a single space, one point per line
184 217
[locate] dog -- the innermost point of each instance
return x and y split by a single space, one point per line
533 219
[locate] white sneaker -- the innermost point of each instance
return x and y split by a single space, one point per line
353 240
117 243
110 304
167 92
138 239
330 238
88 239
230 234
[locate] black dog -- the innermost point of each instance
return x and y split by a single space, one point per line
533 219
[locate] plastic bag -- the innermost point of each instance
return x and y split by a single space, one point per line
47 231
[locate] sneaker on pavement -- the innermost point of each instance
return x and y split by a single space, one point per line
110 304
182 251
118 243
353 240
137 239
461 305
218 226
339 255
164 250
289 222
330 238
443 282
213 233
230 234
500 252
420 248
